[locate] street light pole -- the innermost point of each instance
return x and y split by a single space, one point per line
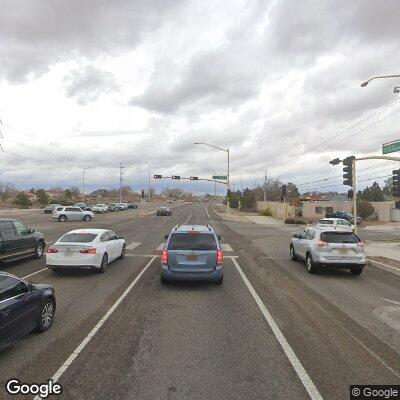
379 77
83 183
227 176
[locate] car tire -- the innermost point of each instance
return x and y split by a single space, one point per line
356 270
87 218
46 315
39 249
104 263
163 280
220 281
62 218
123 251
293 255
311 267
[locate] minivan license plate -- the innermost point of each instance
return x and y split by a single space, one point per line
343 252
192 257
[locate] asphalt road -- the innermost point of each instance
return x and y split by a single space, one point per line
271 331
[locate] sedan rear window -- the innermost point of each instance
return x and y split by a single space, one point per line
326 222
339 237
78 238
192 241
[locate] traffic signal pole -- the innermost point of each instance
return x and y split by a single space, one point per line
354 197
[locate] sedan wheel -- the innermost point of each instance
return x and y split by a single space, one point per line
46 316
293 255
104 263
123 251
87 218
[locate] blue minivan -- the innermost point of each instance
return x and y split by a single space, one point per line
192 253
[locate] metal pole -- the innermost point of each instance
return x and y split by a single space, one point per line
83 185
228 188
354 197
265 186
148 194
120 182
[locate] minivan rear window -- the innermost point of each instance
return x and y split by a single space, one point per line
78 238
192 241
339 237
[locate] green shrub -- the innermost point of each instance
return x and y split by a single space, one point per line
295 221
22 200
266 212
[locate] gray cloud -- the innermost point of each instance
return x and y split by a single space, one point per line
88 84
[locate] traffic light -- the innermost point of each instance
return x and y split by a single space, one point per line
157 176
335 161
348 171
194 178
350 194
176 177
142 193
396 183
284 192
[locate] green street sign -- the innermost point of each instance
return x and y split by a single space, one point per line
220 177
391 147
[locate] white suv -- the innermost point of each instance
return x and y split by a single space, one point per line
72 214
100 208
320 247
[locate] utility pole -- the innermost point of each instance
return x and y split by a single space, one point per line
83 183
148 194
121 169
265 186
354 197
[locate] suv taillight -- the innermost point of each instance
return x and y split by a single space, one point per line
361 244
51 250
88 251
164 257
220 257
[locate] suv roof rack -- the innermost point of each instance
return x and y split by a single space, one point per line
176 227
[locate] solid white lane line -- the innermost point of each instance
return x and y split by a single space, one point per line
385 267
160 247
290 354
93 332
34 273
226 247
208 215
133 245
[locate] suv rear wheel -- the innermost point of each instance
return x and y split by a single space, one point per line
62 218
311 267
87 218
292 253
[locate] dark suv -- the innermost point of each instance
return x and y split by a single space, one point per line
192 252
24 307
19 241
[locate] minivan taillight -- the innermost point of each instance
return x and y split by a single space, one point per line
51 250
88 251
220 257
164 257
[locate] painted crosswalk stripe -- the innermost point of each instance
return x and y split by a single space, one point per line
226 247
161 246
133 245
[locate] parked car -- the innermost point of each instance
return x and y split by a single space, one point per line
85 249
19 241
122 206
343 215
24 307
325 247
88 208
50 208
72 214
132 206
82 206
100 208
192 252
170 201
112 207
336 223
164 211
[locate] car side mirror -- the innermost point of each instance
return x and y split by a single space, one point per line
166 236
219 237
296 236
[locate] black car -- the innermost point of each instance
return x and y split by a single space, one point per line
49 209
132 206
112 207
19 241
164 211
24 307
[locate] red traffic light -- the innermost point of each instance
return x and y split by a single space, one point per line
157 176
176 177
194 178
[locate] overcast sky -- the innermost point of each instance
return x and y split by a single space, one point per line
95 83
